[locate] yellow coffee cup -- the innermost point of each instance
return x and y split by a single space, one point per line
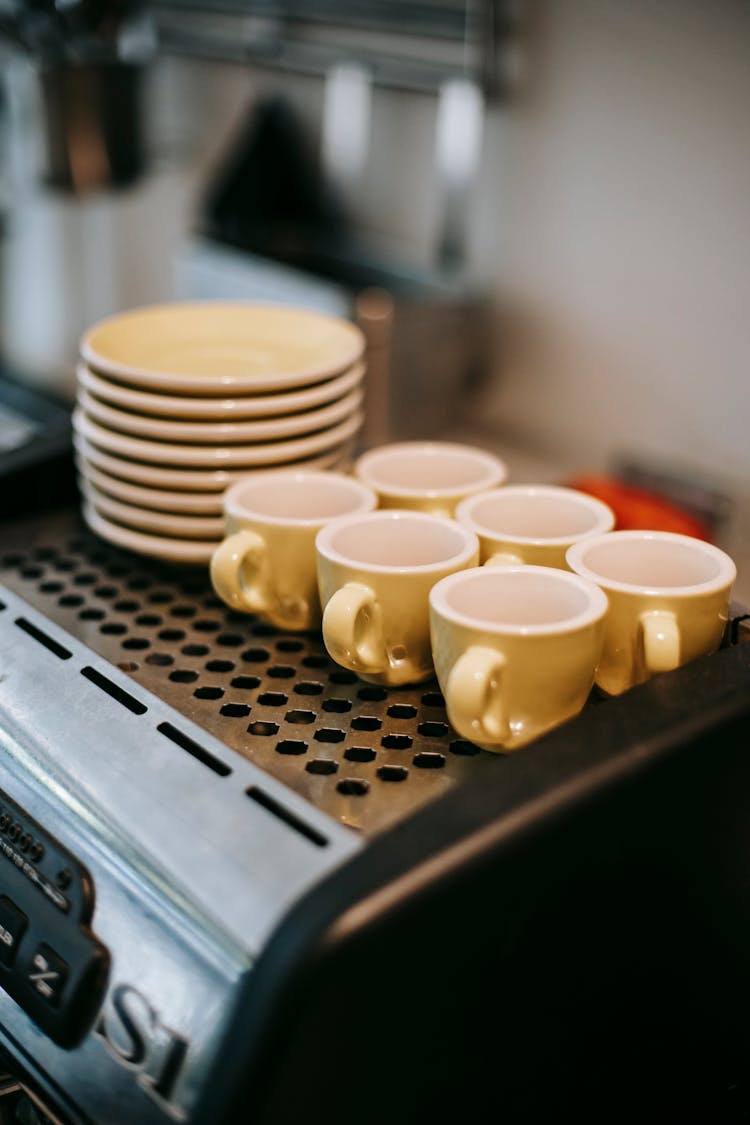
515 650
267 564
375 573
428 476
532 523
668 601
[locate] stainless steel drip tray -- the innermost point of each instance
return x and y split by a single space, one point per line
365 755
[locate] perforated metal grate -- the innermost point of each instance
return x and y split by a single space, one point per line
364 754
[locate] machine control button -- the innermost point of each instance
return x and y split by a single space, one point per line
47 974
64 878
51 963
12 925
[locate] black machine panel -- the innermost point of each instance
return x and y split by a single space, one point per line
50 961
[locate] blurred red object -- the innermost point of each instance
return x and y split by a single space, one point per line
637 509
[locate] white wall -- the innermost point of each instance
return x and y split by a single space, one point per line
614 213
611 216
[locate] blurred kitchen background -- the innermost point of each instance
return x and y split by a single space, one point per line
537 209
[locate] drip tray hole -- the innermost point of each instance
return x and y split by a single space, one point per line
353 787
463 749
263 730
393 773
396 741
208 693
360 754
329 734
401 711
300 717
429 761
291 746
324 766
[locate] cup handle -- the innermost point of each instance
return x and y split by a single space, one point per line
353 629
503 558
474 694
242 549
661 640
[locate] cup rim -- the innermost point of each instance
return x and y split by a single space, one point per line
496 470
326 550
726 576
368 499
594 611
465 514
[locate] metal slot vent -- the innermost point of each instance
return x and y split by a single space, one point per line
365 755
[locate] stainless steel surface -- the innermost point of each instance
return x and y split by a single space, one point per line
176 822
190 875
407 46
156 958
364 755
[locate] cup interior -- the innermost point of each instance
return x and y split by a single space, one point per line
430 468
516 598
309 498
662 563
397 542
535 515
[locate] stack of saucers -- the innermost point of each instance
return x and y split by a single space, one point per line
175 402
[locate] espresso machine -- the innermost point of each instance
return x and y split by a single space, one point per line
237 883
